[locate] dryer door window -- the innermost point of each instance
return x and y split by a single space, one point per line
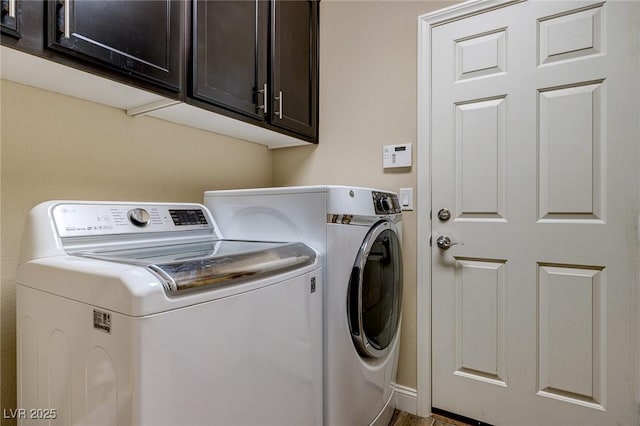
375 291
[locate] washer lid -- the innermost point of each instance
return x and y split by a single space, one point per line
203 265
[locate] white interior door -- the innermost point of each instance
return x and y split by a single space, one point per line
534 139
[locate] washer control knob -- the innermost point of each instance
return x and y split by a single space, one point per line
139 217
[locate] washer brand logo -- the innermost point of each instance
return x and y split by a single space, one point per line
313 284
102 321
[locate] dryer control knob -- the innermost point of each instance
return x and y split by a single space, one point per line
385 204
139 217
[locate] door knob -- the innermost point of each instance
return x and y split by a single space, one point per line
444 242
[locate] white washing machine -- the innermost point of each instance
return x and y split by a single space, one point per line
140 314
357 232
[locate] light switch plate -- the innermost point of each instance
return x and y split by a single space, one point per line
406 198
396 156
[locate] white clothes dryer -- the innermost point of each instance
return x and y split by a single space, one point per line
357 232
140 314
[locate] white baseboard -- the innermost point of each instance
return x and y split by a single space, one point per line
406 399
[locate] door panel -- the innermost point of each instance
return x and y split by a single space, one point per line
570 126
480 156
479 325
534 135
571 304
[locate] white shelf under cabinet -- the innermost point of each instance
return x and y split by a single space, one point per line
38 72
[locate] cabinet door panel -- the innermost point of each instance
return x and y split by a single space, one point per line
229 54
294 69
141 37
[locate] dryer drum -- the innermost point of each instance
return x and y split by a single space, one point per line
374 298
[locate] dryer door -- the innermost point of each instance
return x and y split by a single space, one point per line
374 299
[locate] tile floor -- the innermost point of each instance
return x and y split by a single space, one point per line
401 418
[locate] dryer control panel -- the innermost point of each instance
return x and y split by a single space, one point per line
78 219
386 203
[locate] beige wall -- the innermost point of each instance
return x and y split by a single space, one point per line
368 96
58 147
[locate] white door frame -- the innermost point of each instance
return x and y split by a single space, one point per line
425 24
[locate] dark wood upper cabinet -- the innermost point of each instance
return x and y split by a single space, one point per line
250 60
230 54
259 59
294 66
10 11
142 38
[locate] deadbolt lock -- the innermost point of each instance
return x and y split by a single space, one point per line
444 215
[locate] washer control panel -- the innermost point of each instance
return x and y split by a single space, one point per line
78 219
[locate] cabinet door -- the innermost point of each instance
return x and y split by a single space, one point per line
294 70
229 55
9 20
142 38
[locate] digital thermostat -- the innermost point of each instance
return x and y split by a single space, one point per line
396 156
